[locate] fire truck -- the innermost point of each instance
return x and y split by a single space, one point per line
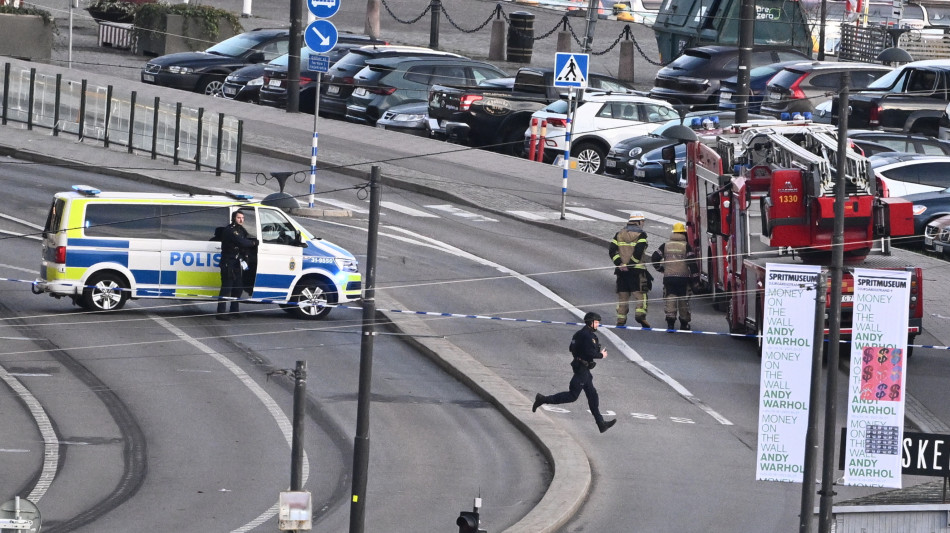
765 194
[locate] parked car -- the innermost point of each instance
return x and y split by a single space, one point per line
905 174
799 87
910 98
873 142
758 78
649 168
693 78
391 81
204 72
412 118
928 206
601 120
937 236
623 155
245 83
338 84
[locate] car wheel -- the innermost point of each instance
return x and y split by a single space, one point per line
590 158
211 86
514 142
311 299
104 292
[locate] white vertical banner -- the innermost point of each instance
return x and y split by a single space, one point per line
876 387
788 331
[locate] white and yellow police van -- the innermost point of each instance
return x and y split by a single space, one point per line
102 248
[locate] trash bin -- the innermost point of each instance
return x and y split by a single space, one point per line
520 37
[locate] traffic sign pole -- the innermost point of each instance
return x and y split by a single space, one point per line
321 37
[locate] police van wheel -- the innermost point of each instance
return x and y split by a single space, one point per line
311 299
104 292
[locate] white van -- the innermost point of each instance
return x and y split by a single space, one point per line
102 248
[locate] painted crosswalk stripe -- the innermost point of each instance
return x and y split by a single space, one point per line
547 215
652 216
599 215
406 210
343 205
452 210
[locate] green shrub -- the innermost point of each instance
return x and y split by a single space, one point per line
150 17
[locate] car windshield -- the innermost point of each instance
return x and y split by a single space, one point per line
690 60
939 15
886 81
559 106
284 60
237 45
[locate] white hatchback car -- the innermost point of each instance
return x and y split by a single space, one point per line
904 173
601 120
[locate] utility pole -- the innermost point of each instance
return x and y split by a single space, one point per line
591 22
811 435
821 29
300 412
361 442
746 40
834 314
293 61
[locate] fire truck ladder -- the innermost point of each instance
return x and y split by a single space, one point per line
857 169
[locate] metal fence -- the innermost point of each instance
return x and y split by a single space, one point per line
184 134
865 43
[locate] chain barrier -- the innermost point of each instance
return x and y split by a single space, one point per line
412 21
463 30
523 34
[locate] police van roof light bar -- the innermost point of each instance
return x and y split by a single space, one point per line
86 190
239 195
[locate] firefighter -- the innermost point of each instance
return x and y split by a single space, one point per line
626 251
676 260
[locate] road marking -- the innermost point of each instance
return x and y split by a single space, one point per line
407 210
50 440
652 216
21 235
344 205
599 215
21 269
452 210
283 423
548 215
21 221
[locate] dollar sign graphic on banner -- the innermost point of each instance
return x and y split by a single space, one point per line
866 373
895 391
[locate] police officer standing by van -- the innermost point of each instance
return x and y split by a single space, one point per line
235 246
585 347
676 260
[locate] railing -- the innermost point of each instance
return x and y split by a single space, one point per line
865 43
183 134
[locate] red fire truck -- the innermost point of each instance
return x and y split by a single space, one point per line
765 194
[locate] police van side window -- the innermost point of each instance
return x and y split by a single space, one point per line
55 216
192 222
124 221
275 228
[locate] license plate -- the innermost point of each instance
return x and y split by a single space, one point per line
333 89
380 126
230 91
928 241
360 92
725 97
274 83
847 298
148 77
610 163
938 247
640 173
775 95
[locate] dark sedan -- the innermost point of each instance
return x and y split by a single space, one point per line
758 79
244 84
204 72
649 169
928 206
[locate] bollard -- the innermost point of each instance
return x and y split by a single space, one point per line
627 58
533 139
541 140
520 37
435 11
496 46
564 41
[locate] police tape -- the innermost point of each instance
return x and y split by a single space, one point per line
205 297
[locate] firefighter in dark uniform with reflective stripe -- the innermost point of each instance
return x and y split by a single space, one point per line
585 347
626 251
676 260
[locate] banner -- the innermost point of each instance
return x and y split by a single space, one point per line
876 387
788 332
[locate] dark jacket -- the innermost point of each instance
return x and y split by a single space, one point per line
235 243
585 346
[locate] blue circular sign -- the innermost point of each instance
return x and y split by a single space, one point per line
321 36
323 9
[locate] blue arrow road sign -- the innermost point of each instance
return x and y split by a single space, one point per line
321 36
570 70
323 9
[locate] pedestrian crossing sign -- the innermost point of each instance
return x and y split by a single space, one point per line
570 70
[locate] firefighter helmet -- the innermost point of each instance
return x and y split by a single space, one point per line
589 318
637 217
679 227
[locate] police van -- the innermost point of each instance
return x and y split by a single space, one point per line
102 248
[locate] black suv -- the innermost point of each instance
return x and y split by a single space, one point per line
693 78
204 72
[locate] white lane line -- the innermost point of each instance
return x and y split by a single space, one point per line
406 210
50 440
452 210
21 221
548 215
13 450
21 235
283 423
344 205
624 348
21 269
652 216
599 215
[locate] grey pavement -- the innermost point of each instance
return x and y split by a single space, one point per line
435 170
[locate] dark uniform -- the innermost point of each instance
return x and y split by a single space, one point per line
676 260
235 245
585 347
633 280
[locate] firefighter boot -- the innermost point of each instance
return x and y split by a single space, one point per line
643 322
604 426
670 323
539 400
684 324
621 321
